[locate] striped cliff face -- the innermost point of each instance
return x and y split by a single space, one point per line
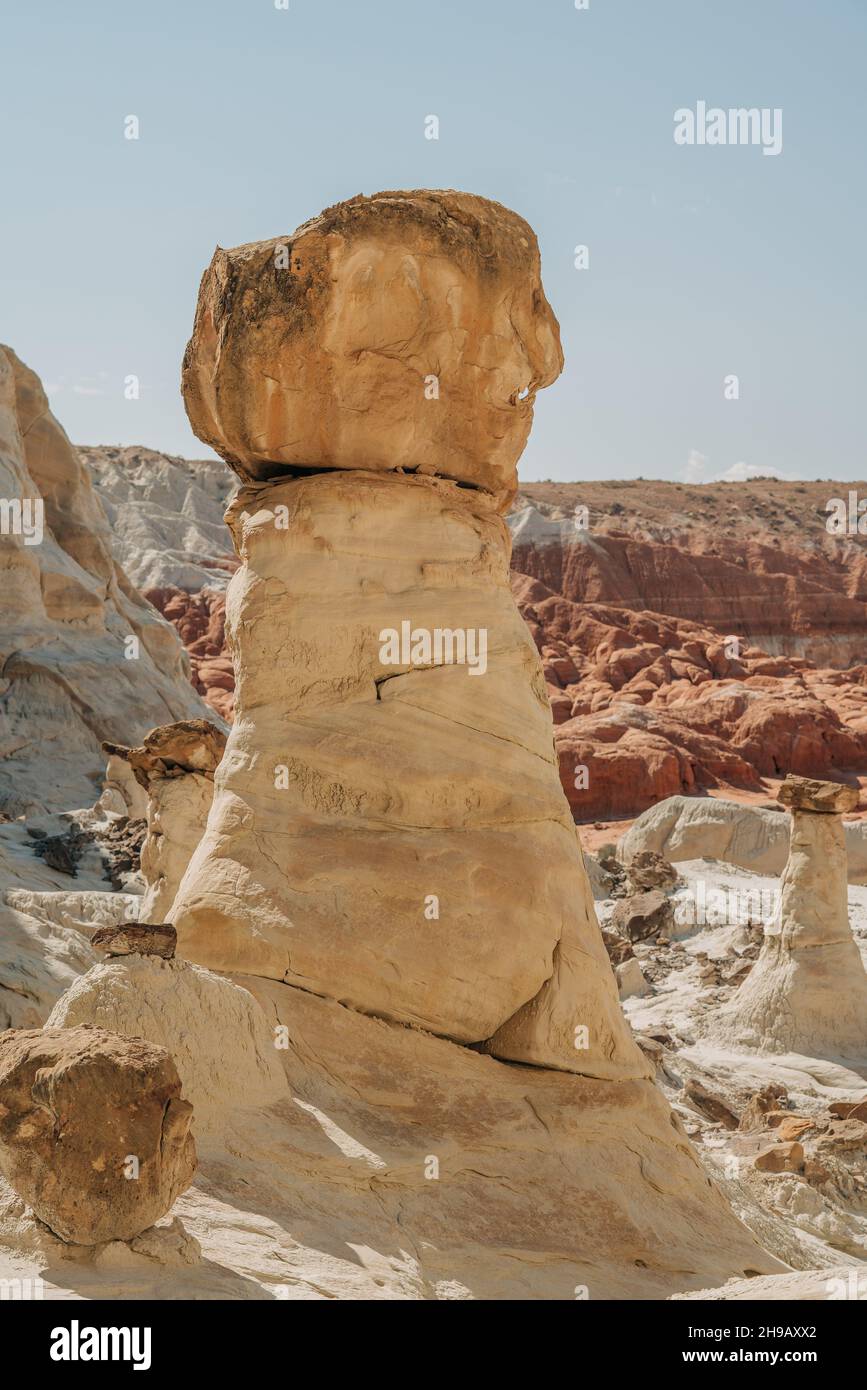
649 602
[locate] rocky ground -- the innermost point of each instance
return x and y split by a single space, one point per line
785 1133
784 1137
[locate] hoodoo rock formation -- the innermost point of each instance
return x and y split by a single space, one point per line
389 843
807 992
175 768
83 656
388 827
78 1106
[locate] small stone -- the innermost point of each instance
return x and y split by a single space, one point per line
816 1172
643 915
78 1107
739 972
789 1126
618 948
710 1105
843 1136
650 870
761 1104
780 1158
169 1244
59 855
660 1035
631 981
136 938
653 1050
849 1109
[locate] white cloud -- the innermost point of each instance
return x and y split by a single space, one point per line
743 472
698 471
696 468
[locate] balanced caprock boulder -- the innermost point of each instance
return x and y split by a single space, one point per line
404 332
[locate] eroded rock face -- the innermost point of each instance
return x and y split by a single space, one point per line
323 349
77 1106
84 657
216 1033
653 705
200 620
807 992
544 1181
165 516
704 553
175 768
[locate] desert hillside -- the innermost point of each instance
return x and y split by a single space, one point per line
633 606
751 558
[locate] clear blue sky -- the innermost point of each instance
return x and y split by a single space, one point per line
703 260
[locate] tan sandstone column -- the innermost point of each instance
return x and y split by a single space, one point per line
388 827
807 992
